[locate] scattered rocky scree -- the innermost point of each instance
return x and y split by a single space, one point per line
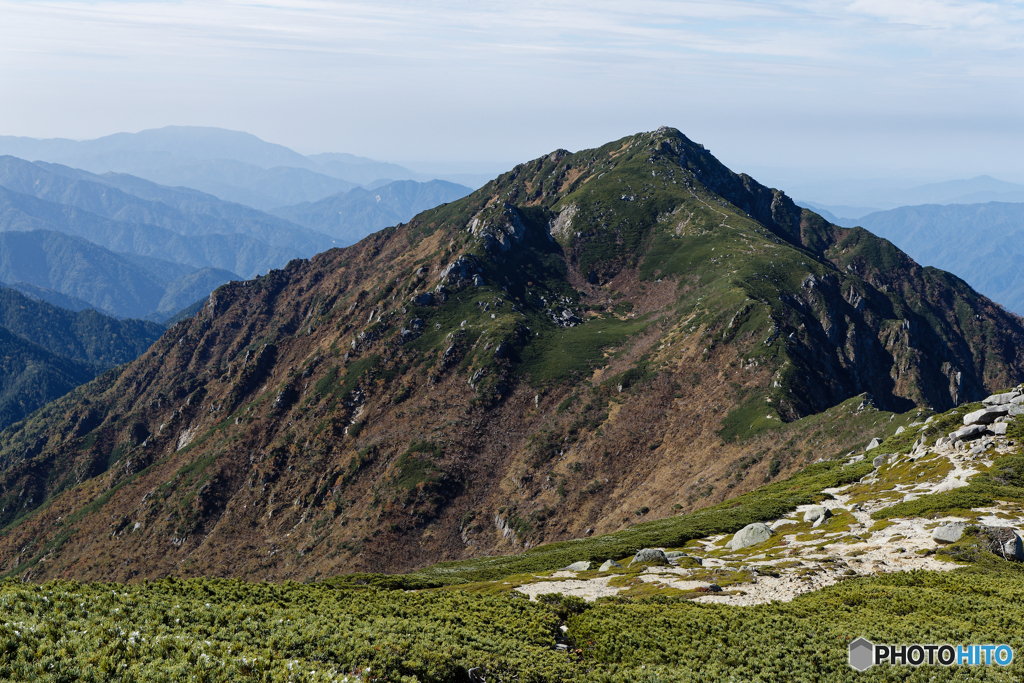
819 545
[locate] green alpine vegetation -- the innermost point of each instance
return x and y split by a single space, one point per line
434 626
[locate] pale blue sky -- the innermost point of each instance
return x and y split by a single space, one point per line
865 86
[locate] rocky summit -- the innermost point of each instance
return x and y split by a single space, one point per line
588 341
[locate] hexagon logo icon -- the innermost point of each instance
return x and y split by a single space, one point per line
862 654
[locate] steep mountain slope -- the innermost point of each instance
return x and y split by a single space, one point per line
587 340
112 283
46 351
85 335
982 243
351 216
31 377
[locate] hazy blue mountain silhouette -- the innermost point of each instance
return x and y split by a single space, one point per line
351 216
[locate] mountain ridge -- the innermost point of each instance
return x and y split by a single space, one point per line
983 243
232 165
587 339
48 351
113 284
351 215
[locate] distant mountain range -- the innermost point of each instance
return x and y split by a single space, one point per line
46 351
146 250
254 186
350 216
83 242
50 296
42 261
140 206
231 165
980 189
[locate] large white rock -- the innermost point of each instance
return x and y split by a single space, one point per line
608 565
751 534
874 443
1000 399
581 566
999 429
949 533
817 513
972 432
1003 540
649 556
986 416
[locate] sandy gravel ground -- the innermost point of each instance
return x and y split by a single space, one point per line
893 549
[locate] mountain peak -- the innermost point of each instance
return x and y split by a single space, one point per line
586 339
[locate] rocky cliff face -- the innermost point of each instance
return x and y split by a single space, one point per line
588 340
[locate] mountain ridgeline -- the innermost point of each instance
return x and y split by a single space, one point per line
982 242
587 340
48 351
127 214
350 216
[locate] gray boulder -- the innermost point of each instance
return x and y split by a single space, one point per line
817 514
581 566
881 459
986 416
752 534
1013 548
854 460
609 565
968 433
999 429
1016 409
949 533
1003 541
649 556
1000 399
874 443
